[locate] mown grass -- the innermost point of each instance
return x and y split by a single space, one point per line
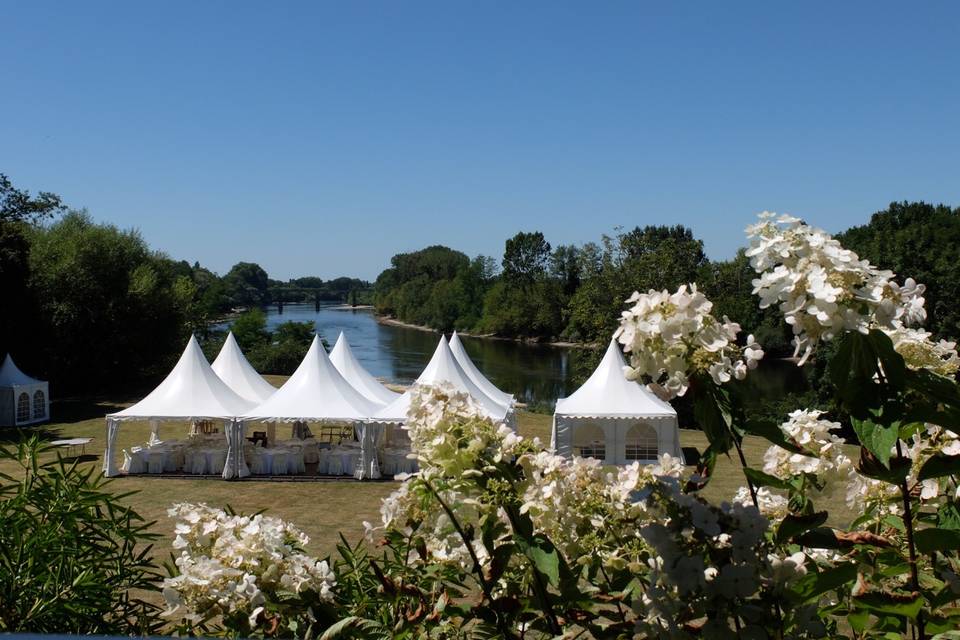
321 509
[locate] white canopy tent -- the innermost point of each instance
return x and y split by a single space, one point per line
234 369
460 353
190 391
359 378
614 419
318 392
23 400
443 367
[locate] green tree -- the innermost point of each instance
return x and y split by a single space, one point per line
250 329
110 309
921 241
525 258
247 285
19 213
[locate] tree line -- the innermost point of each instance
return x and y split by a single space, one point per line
91 306
576 293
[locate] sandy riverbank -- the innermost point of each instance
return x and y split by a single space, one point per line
389 320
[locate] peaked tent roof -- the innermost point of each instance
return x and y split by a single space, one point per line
315 391
234 369
10 374
190 390
608 394
359 378
463 359
443 367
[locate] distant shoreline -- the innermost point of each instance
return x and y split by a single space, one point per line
393 322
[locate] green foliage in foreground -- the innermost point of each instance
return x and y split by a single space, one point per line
71 554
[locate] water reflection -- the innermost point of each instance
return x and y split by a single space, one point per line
535 374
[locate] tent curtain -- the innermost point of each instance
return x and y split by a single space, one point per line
109 466
369 434
242 470
154 429
235 465
561 437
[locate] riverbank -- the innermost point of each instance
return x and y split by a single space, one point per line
393 322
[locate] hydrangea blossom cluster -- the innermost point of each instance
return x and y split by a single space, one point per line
827 461
822 288
707 563
231 565
919 351
582 508
672 336
449 431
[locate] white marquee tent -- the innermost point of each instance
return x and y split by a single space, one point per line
460 353
318 392
23 400
614 419
443 367
190 391
234 369
359 378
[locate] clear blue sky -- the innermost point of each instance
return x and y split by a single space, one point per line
320 139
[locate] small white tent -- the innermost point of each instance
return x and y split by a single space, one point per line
614 419
190 391
359 378
234 369
443 367
460 353
317 392
23 400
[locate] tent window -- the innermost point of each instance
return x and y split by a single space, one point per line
590 442
39 404
642 443
23 407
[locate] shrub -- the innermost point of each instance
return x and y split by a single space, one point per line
72 556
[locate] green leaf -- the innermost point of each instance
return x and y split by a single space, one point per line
939 466
895 473
711 410
794 525
814 584
894 368
544 557
948 516
878 439
772 432
354 626
761 479
897 605
934 539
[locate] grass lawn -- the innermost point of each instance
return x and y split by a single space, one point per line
322 509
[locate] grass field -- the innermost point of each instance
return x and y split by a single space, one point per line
322 509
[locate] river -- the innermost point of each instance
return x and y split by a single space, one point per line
535 374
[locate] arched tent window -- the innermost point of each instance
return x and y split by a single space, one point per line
23 407
641 443
589 441
39 404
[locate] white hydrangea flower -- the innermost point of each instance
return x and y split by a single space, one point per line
671 336
228 564
822 288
